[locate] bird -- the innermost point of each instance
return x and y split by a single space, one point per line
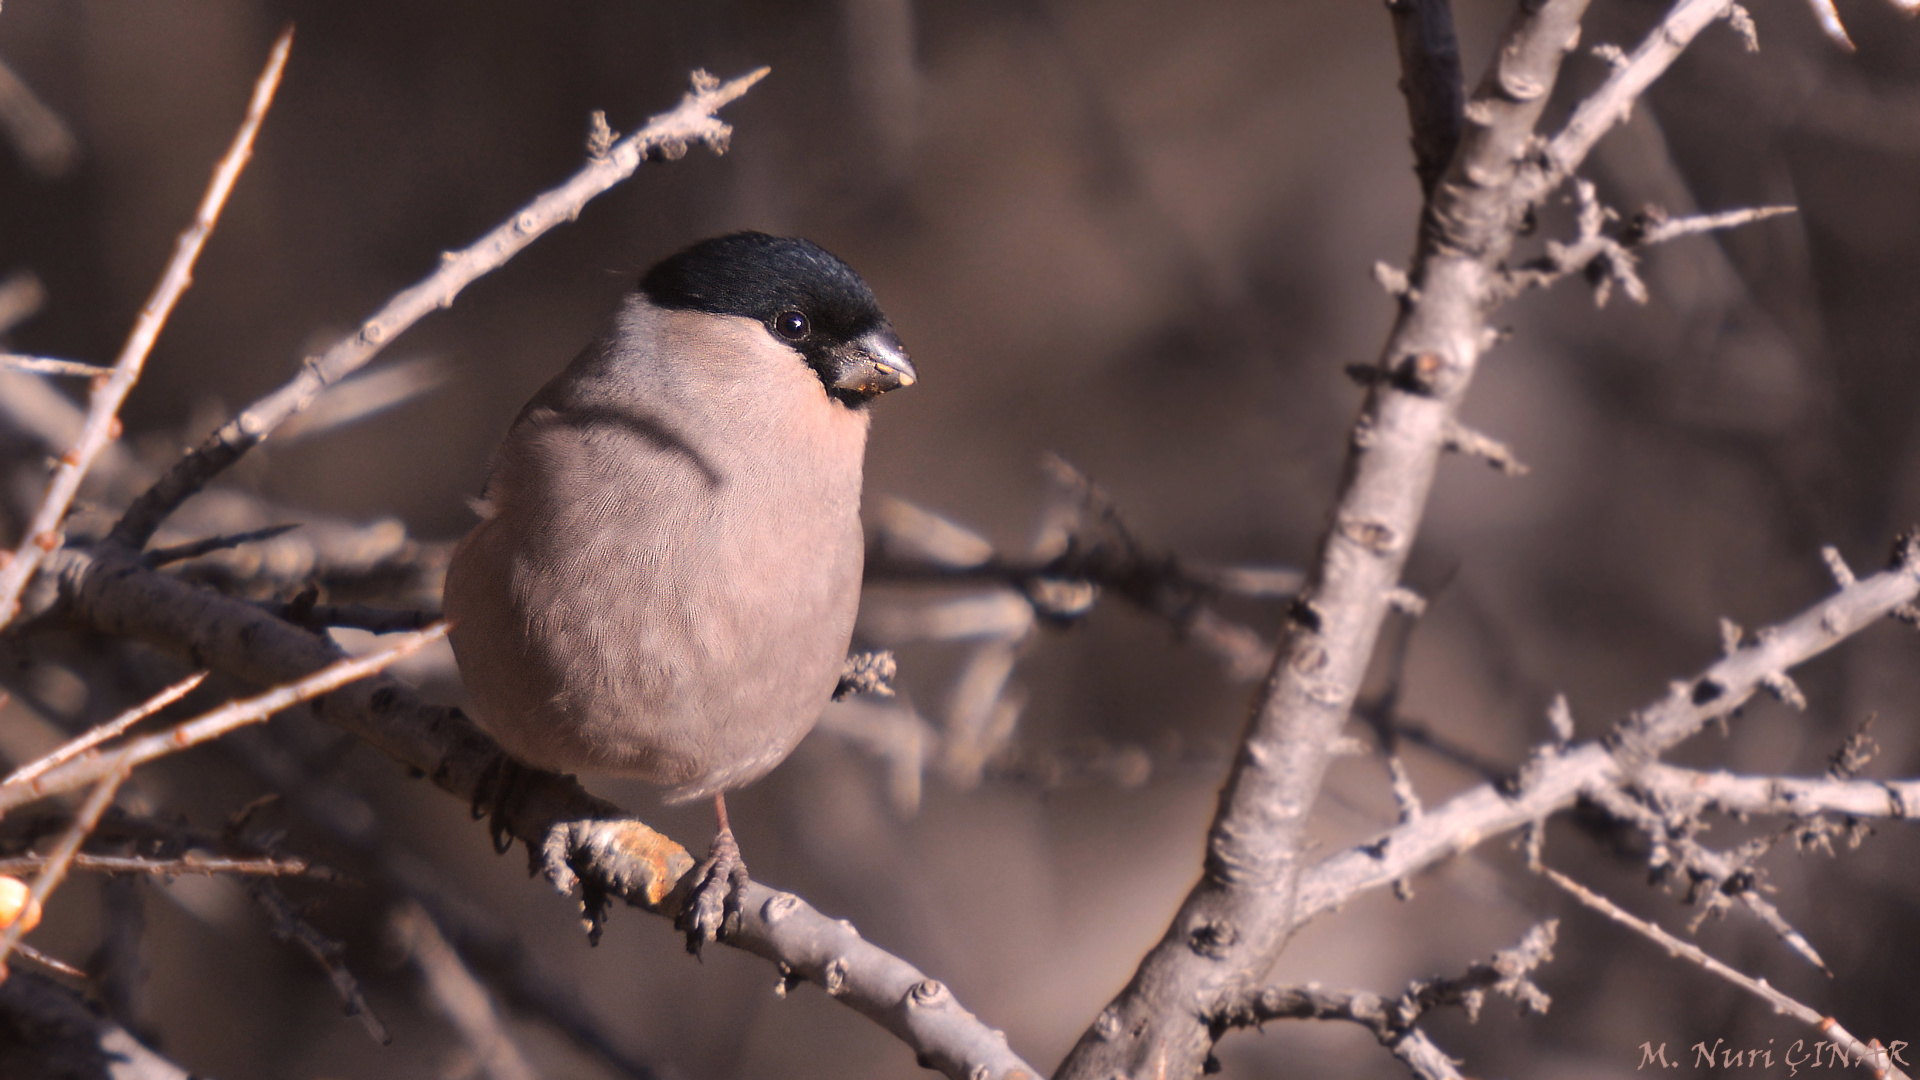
664 578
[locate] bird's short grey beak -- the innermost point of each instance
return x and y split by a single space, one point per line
874 363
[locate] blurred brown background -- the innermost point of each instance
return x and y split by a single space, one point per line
1136 234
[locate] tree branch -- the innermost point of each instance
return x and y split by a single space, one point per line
1895 800
577 839
1555 777
1872 1054
1610 104
103 421
666 135
1238 917
1393 1021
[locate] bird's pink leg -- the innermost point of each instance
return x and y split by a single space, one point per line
713 907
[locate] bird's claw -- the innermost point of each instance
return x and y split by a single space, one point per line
712 908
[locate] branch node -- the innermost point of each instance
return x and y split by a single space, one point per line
1784 689
867 673
833 977
1837 566
1560 719
1855 753
1420 373
1462 439
1367 376
929 994
1406 601
778 907
1740 20
1730 636
600 137
1395 281
1376 537
790 980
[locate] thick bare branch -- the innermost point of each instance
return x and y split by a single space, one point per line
1237 919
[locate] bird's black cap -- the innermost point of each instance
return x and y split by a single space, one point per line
803 294
761 277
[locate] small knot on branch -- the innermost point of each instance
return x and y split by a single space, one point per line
867 673
600 137
1462 439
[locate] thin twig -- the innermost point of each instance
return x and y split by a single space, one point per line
27 952
1897 800
1393 1021
1462 439
191 864
1558 775
667 135
108 730
234 714
288 925
1724 876
43 531
1610 254
47 365
1370 1010
1659 232
1872 1054
1609 104
523 976
55 869
197 548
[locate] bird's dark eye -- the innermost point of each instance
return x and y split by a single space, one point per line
792 325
